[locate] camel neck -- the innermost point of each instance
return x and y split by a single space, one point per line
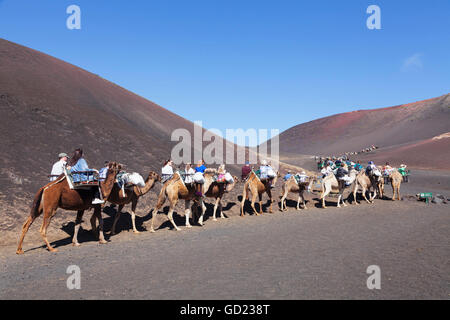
107 185
149 183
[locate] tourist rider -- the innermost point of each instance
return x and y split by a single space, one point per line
246 169
58 166
198 177
166 171
78 164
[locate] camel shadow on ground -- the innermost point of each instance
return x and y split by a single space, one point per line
292 204
249 210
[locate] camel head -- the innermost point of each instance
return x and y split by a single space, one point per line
114 168
154 176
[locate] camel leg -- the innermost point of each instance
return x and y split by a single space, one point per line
77 227
244 196
133 216
25 228
364 195
283 201
354 195
298 201
303 200
93 221
339 200
48 214
187 212
324 194
170 214
98 215
154 213
116 219
269 193
253 203
221 210
216 204
203 208
159 204
260 203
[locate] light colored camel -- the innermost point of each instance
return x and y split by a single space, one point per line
131 195
396 180
216 191
291 185
365 183
57 194
175 189
256 187
331 184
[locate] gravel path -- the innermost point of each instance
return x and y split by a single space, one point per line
312 254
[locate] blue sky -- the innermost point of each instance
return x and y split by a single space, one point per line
248 64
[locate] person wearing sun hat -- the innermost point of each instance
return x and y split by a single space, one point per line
58 167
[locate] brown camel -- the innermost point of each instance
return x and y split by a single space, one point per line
331 184
365 183
291 185
175 189
57 194
256 187
131 195
216 191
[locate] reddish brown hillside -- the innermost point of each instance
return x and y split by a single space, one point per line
355 130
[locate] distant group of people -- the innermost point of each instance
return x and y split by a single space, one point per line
340 167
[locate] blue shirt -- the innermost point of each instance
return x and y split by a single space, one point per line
103 173
287 176
201 169
81 165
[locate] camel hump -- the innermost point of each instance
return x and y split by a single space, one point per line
210 171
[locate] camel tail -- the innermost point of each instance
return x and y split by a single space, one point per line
34 212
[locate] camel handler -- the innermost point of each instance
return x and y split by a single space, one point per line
198 177
58 167
403 172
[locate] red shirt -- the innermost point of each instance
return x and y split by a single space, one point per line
246 171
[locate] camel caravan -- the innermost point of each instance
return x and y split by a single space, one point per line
74 186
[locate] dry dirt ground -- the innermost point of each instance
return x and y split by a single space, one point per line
308 254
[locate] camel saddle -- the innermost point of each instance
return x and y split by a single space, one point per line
81 180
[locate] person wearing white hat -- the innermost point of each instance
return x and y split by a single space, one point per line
267 173
58 167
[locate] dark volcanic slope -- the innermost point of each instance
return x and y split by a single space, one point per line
48 106
355 130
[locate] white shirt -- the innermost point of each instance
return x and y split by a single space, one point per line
57 169
167 169
326 171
